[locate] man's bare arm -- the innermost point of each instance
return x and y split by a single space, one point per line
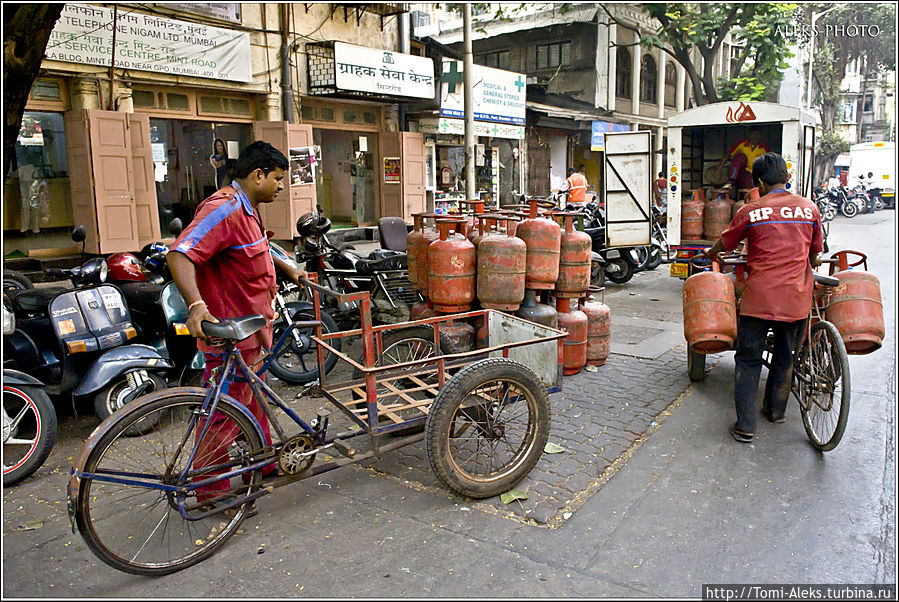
293 273
184 273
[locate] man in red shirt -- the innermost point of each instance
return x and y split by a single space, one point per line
222 266
784 234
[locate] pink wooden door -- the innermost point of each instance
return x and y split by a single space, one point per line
390 145
281 215
144 182
113 173
78 148
413 174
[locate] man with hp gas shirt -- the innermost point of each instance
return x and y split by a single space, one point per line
784 237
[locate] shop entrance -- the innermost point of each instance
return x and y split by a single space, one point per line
346 184
184 170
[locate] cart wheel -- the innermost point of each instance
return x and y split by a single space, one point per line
487 427
695 365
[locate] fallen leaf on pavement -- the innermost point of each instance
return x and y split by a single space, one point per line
31 525
512 495
552 448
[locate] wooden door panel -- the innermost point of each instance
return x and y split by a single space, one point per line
281 215
413 174
389 145
81 187
302 198
113 176
144 183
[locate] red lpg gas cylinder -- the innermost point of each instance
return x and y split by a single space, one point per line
856 305
412 241
501 270
469 210
574 350
451 269
715 219
421 310
543 238
574 259
710 311
428 235
691 216
599 329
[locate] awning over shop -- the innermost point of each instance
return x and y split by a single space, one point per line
563 113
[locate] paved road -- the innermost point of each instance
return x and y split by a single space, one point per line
686 505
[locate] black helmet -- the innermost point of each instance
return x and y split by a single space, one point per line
311 224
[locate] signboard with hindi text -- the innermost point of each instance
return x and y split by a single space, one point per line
498 95
360 69
83 34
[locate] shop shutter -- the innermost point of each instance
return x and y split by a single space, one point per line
413 174
144 181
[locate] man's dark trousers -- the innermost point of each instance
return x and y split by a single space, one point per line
752 333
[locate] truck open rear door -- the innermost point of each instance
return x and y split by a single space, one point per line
626 186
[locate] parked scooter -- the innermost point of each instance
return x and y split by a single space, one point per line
29 418
78 340
384 274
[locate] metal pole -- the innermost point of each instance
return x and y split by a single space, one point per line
115 18
286 87
470 184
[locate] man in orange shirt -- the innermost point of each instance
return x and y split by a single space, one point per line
577 186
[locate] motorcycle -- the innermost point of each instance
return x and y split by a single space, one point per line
29 418
384 274
78 340
827 204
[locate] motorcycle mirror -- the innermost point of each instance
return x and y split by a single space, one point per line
318 209
175 226
79 234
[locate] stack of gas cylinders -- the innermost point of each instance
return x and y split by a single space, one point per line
703 219
507 260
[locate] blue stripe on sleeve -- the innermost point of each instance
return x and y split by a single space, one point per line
250 244
209 222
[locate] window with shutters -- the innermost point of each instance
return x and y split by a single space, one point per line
623 73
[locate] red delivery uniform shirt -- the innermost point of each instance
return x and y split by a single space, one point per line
235 273
577 185
783 230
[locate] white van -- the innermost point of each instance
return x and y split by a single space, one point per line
879 158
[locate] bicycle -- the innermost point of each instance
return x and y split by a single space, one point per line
146 505
821 381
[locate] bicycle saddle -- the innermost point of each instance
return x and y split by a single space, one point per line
234 329
826 280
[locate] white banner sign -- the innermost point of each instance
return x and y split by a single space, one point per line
498 95
83 35
481 128
361 69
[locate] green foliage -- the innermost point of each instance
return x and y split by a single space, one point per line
831 144
760 65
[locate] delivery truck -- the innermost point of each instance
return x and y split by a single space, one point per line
697 140
878 158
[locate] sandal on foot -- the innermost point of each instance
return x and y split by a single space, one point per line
740 435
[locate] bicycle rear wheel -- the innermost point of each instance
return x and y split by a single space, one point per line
136 527
823 386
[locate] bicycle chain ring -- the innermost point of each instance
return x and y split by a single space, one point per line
291 461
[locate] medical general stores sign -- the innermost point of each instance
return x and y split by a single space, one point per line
144 42
360 69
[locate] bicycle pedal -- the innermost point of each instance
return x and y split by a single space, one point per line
344 449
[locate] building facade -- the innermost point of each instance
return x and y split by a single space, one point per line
125 151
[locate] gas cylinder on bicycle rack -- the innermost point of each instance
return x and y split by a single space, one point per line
428 235
412 241
710 311
452 263
856 305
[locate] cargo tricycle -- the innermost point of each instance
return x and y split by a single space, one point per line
166 500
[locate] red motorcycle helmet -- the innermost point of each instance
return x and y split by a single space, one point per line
124 267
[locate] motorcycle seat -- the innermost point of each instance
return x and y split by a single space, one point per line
234 329
384 253
34 300
386 264
141 296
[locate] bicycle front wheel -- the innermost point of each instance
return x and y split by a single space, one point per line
134 524
823 384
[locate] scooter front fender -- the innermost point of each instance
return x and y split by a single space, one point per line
15 377
118 361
